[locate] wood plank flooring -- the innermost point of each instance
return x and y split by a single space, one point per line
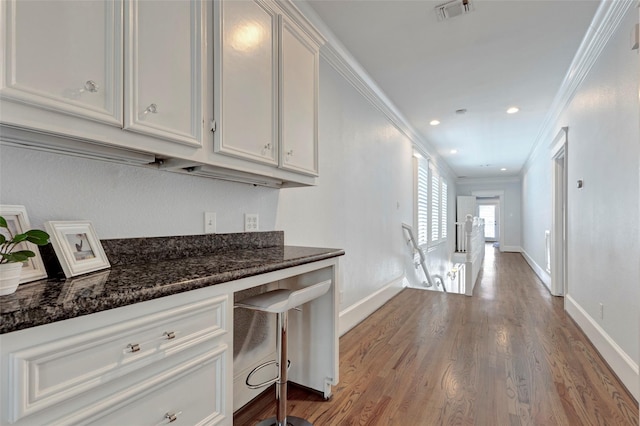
509 355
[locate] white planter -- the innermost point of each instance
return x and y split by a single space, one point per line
9 277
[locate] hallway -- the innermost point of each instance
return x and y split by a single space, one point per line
509 355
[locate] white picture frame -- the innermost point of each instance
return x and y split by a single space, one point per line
77 247
18 221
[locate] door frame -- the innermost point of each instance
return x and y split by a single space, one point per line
495 202
500 195
559 206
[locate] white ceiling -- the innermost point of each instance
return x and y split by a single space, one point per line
504 53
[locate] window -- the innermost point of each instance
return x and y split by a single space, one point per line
435 207
431 204
443 209
422 203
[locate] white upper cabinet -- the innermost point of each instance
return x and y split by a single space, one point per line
64 56
248 88
267 102
298 100
163 69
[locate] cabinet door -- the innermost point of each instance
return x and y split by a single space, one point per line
164 72
64 56
192 393
298 100
248 115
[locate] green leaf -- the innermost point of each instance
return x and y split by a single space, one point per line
3 239
37 237
19 256
18 238
3 222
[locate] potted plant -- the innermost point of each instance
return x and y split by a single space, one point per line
12 257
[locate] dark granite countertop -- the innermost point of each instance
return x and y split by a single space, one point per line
47 301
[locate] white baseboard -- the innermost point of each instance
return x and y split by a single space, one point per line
540 272
356 313
621 363
512 249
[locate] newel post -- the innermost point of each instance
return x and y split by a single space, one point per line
468 230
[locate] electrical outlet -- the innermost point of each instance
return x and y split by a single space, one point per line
209 222
250 222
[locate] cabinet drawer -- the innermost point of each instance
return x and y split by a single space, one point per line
57 371
193 392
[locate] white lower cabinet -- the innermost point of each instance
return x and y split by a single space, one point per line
140 364
190 394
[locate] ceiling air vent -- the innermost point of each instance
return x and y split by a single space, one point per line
453 8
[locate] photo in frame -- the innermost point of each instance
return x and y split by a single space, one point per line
77 247
18 222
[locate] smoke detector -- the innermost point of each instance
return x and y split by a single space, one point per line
453 8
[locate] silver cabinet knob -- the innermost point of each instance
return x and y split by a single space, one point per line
91 86
153 109
266 149
172 417
169 335
133 347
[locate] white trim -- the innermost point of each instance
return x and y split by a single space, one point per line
619 361
512 249
500 194
559 206
539 271
488 180
604 24
359 311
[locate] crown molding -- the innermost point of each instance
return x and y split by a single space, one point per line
488 180
604 24
337 55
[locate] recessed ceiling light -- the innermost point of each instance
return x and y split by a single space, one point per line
503 169
434 122
513 110
453 151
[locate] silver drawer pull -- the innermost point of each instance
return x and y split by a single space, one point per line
169 335
172 417
91 86
133 347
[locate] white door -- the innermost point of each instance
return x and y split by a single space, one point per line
249 81
490 214
64 56
298 100
164 79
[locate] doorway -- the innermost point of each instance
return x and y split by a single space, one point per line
489 210
559 214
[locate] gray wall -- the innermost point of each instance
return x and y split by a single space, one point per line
604 216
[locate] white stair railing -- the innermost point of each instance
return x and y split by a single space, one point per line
416 249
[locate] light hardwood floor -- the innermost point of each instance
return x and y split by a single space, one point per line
509 355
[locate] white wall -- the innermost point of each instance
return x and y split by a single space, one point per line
604 216
365 193
125 201
511 240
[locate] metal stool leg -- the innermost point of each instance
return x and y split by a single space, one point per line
281 418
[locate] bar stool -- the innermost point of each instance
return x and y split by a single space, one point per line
280 301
